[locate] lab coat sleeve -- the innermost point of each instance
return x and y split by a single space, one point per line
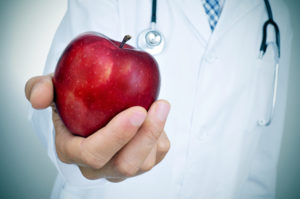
42 119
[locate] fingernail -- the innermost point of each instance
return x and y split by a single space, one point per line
137 118
38 84
162 111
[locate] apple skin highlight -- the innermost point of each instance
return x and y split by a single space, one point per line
95 79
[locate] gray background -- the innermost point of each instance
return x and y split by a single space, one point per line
26 30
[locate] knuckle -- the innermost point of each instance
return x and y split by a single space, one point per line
62 157
87 174
61 152
153 132
163 146
93 161
147 166
125 169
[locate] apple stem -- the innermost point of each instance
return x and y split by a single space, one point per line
125 39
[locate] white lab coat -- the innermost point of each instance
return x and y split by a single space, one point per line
217 87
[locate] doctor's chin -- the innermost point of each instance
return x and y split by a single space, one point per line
150 99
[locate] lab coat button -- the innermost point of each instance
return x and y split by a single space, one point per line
202 135
211 57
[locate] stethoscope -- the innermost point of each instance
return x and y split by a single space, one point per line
276 47
152 41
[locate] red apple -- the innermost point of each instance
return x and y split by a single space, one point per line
96 78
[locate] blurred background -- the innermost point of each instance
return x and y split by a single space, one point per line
26 31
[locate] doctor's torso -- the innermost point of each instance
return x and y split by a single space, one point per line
215 83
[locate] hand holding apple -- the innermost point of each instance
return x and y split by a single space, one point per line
96 78
131 143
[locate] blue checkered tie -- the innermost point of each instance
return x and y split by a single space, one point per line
213 11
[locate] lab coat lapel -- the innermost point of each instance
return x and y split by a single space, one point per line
233 11
194 13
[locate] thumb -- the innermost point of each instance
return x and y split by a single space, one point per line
39 91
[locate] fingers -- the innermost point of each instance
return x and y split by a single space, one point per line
96 150
39 91
121 149
130 159
157 153
102 145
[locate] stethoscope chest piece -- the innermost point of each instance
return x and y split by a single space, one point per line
151 41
